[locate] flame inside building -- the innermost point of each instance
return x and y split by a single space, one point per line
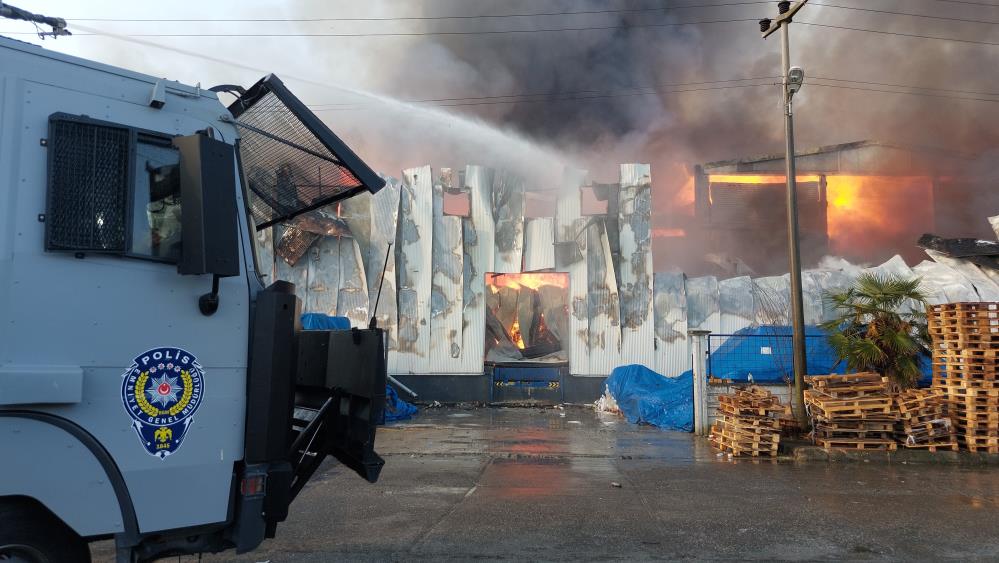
864 202
526 316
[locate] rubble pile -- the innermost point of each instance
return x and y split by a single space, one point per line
749 422
965 348
853 411
923 422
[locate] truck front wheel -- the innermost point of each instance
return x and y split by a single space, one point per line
30 534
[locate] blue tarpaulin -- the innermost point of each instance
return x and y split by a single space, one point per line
395 408
319 321
644 396
765 353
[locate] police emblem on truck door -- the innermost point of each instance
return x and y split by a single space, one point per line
161 391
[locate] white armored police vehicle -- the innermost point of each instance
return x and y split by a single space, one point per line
155 388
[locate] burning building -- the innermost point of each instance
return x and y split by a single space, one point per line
495 289
863 201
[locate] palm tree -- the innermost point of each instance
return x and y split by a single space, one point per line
881 327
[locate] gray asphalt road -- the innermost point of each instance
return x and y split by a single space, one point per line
530 484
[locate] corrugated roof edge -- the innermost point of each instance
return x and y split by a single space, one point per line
837 148
30 48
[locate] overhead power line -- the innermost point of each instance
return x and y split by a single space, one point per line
970 2
908 14
533 14
430 18
923 94
416 33
900 34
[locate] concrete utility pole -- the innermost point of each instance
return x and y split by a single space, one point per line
792 81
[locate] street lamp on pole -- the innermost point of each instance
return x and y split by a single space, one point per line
792 79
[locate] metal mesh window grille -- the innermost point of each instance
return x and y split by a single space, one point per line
287 167
88 187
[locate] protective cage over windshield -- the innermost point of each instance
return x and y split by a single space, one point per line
293 162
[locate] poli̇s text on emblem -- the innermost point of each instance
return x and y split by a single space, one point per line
161 392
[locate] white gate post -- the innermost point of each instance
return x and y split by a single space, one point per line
701 416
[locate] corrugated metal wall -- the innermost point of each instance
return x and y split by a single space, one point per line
508 214
414 269
381 255
571 258
539 244
703 304
604 306
635 220
478 240
672 351
352 298
446 296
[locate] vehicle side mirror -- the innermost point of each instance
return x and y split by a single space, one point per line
209 229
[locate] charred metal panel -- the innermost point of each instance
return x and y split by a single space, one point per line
479 253
265 255
356 213
986 288
322 263
772 300
672 352
635 265
293 243
413 268
604 303
569 233
446 311
703 304
297 274
539 244
944 285
508 214
352 297
735 304
384 219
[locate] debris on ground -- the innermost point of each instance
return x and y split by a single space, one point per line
852 411
606 403
749 422
965 367
923 422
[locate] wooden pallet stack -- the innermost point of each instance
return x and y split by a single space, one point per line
853 411
749 422
923 422
965 367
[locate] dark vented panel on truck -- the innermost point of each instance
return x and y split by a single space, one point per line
293 162
87 185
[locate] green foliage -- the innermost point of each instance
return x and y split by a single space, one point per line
880 326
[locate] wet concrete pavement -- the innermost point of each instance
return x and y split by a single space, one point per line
530 484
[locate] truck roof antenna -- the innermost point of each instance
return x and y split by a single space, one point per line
374 311
58 25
